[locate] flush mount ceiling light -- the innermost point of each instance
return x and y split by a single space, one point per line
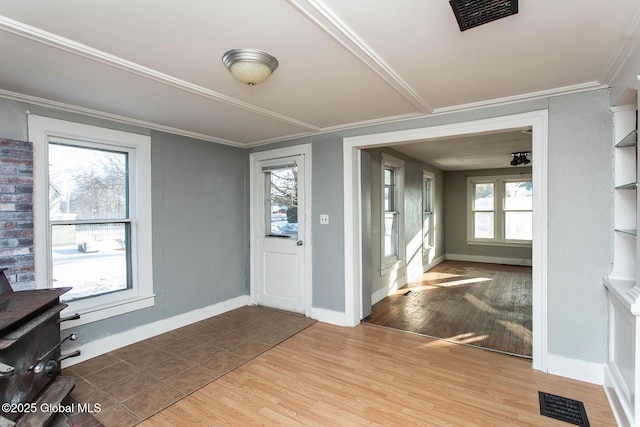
250 66
520 158
471 13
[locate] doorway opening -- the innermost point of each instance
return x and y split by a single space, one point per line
356 297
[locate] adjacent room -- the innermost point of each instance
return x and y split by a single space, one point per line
319 212
473 197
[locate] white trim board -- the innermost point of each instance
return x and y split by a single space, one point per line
581 370
538 120
328 316
489 259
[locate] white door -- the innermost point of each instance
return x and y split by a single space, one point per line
280 230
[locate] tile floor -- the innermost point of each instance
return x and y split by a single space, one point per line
134 382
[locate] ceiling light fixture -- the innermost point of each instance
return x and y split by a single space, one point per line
520 158
250 66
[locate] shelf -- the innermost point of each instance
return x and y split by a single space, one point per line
629 231
631 140
624 291
630 186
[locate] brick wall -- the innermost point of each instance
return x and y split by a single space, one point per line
16 213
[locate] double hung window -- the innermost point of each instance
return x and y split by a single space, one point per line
92 213
392 203
427 209
500 210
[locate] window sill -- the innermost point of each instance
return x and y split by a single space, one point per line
90 313
497 243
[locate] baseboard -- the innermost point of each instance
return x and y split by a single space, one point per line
489 259
113 342
576 369
328 316
433 263
380 294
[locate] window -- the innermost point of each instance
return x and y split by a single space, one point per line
518 210
92 203
392 203
500 210
281 190
427 209
390 214
484 206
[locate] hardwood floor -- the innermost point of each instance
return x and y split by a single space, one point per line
328 375
485 305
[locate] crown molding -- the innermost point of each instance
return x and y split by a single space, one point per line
628 48
112 117
58 42
566 90
320 15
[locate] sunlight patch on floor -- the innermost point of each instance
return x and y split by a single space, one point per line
514 327
480 304
468 338
443 285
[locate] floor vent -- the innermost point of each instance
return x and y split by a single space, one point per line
471 13
563 409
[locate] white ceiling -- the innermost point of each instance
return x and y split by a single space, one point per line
157 63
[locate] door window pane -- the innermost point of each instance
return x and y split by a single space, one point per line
282 202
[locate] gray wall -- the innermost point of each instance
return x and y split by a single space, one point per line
580 241
327 195
199 213
456 214
413 217
580 224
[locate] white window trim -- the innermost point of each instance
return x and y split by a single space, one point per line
429 178
141 295
498 209
387 263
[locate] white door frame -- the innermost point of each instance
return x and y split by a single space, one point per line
256 209
538 120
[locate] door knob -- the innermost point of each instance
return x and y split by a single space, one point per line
299 243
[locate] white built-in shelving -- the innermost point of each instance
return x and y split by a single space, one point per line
623 366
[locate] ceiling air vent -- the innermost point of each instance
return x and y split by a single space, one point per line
471 13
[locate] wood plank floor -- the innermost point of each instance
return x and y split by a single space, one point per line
328 375
485 305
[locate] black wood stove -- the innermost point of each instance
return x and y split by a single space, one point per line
31 386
